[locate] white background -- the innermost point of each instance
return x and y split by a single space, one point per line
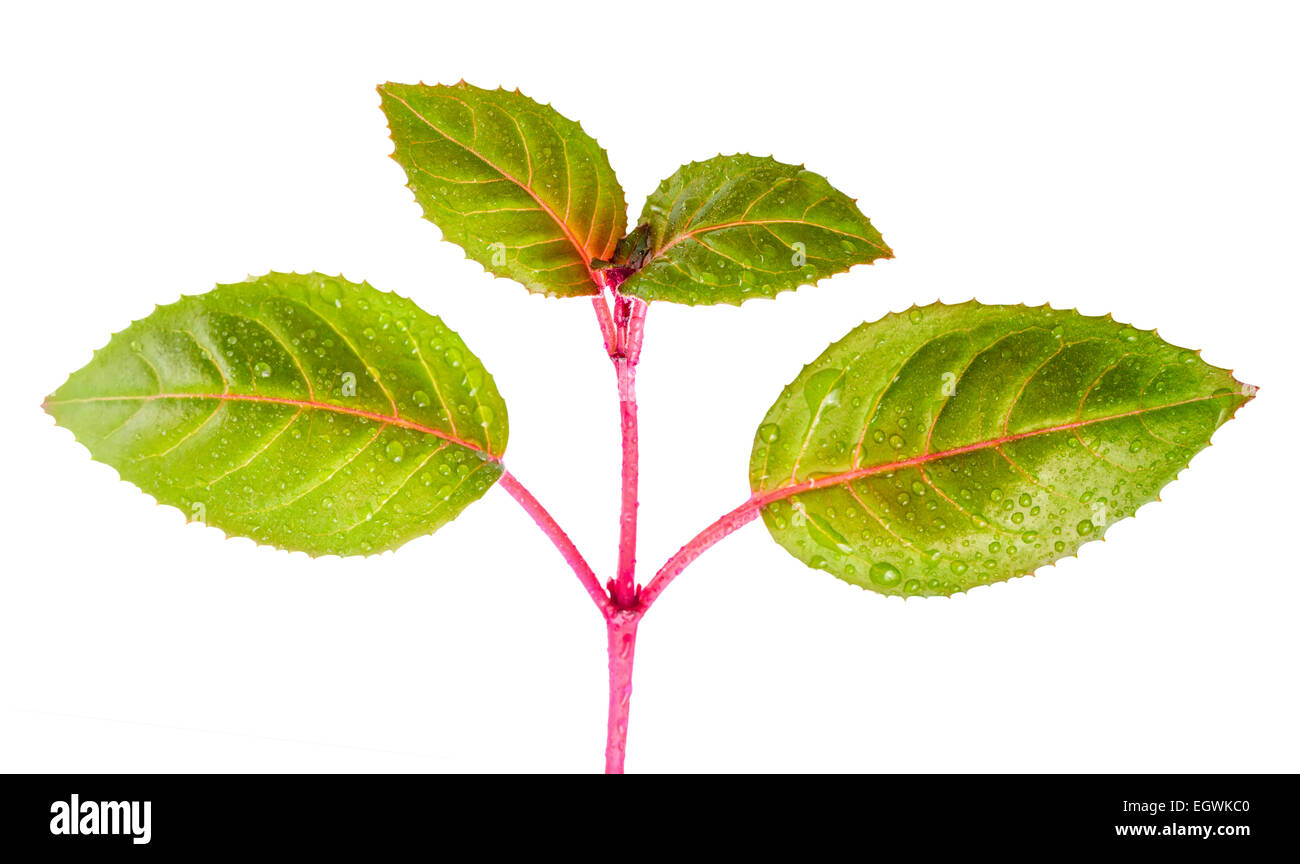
1133 158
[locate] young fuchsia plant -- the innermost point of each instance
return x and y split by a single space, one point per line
924 454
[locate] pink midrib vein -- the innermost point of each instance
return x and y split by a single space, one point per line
748 511
742 223
582 251
390 420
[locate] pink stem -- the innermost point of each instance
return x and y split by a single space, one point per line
561 540
621 626
623 333
624 590
630 318
698 545
605 321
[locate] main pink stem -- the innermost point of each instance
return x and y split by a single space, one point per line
552 529
629 316
622 332
621 627
624 582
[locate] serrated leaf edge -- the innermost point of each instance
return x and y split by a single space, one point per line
248 279
762 500
888 250
586 258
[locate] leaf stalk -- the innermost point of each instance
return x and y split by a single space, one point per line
552 530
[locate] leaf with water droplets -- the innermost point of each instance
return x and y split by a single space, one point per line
736 227
303 411
523 190
952 446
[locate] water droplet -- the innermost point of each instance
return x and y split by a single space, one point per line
420 398
823 388
769 433
1085 527
885 575
827 536
395 451
330 290
896 441
263 370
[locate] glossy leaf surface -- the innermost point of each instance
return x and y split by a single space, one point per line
303 411
951 446
736 227
523 190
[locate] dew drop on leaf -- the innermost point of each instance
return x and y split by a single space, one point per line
885 575
823 388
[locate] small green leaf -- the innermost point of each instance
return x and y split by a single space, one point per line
523 190
306 412
736 227
951 446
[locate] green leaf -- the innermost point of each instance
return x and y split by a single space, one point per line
951 446
306 412
737 227
523 190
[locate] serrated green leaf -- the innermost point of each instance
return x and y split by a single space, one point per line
303 411
952 446
523 190
736 227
